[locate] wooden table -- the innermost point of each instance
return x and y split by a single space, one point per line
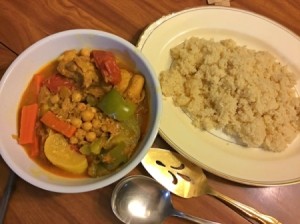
24 22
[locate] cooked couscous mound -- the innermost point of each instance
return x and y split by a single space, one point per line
246 93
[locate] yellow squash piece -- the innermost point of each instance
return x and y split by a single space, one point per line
58 152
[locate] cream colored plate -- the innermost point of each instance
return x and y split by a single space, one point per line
213 151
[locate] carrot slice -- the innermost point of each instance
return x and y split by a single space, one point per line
53 122
27 125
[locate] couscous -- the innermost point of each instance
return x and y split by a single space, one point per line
246 93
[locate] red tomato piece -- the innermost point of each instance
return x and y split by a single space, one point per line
106 62
54 82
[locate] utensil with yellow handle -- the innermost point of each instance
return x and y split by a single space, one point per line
187 180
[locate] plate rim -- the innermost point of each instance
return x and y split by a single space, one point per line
142 41
151 27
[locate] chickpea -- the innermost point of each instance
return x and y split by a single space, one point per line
55 107
96 123
73 140
85 52
87 126
80 134
76 97
90 136
87 115
44 108
76 122
54 99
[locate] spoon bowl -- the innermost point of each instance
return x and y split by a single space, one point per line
140 199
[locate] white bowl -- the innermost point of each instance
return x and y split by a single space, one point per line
16 79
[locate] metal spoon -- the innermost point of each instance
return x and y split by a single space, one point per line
187 180
140 199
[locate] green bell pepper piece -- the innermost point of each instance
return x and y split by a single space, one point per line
116 107
116 156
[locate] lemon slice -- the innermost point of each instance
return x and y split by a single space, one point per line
59 153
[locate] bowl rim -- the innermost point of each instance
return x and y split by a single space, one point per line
106 180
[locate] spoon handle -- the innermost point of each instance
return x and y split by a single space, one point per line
246 210
192 218
6 195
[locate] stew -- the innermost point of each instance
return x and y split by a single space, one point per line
83 114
